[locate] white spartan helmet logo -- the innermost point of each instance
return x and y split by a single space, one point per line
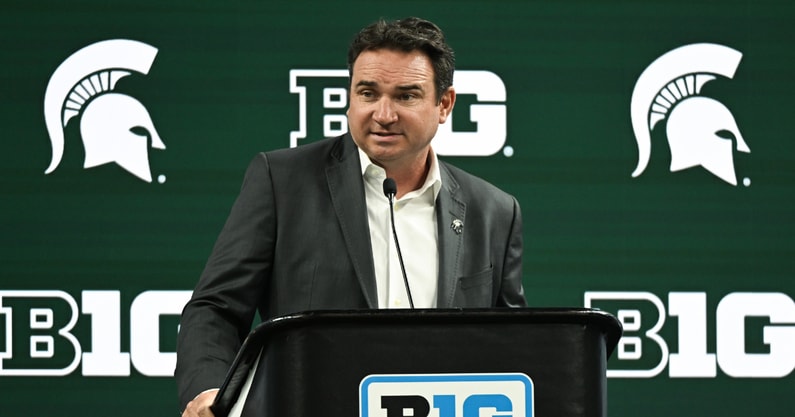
84 83
670 87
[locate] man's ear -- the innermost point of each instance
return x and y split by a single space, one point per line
446 104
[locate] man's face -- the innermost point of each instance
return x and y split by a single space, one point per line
393 112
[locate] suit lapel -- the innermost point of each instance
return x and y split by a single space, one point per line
346 188
449 209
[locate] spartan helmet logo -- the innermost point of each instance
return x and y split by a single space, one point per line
84 83
697 126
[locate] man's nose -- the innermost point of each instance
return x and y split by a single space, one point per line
385 112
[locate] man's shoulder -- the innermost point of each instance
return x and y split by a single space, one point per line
335 147
305 161
479 194
471 184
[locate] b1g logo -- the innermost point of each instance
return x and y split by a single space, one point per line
323 99
38 333
754 334
446 395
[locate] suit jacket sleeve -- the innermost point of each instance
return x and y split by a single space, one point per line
220 312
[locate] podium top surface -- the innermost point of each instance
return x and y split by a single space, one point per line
606 322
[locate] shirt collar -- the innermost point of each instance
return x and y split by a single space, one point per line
433 180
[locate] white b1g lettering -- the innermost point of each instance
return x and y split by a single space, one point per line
39 333
643 317
323 99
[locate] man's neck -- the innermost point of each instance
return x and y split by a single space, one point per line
410 178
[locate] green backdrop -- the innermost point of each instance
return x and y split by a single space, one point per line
699 270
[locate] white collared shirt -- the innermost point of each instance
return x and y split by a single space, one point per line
415 223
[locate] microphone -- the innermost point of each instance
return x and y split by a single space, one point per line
390 190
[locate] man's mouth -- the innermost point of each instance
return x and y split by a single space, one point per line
385 134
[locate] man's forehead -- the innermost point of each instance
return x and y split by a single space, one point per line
395 69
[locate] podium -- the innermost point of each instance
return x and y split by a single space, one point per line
514 362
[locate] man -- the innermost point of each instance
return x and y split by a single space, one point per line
310 229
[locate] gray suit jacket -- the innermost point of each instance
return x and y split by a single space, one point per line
297 239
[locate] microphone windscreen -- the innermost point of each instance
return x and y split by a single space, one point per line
390 188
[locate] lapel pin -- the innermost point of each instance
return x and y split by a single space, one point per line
457 226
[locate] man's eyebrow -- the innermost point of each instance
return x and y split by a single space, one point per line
409 87
365 83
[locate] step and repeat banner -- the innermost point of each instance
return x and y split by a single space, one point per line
649 144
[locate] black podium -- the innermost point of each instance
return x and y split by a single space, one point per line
446 363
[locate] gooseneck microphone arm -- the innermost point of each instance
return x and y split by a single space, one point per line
390 191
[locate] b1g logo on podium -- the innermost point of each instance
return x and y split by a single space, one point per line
446 395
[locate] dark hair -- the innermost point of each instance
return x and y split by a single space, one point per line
408 35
